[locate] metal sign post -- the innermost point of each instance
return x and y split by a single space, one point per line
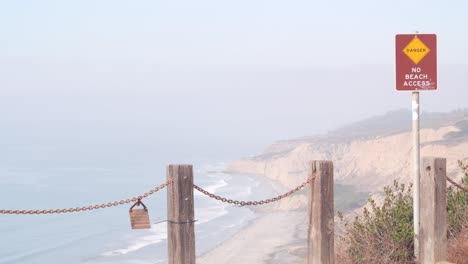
416 69
416 171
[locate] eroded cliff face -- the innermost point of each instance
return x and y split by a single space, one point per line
368 163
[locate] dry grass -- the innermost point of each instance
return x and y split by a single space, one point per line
458 248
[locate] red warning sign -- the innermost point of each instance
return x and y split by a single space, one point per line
416 62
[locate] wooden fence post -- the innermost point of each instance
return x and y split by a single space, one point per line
433 227
321 214
180 215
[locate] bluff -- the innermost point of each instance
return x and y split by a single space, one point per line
368 154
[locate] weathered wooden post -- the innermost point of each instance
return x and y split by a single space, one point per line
321 214
433 227
180 215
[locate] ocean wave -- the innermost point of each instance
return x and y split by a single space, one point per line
244 193
159 231
214 182
204 215
159 234
213 187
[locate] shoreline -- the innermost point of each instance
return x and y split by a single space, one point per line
271 236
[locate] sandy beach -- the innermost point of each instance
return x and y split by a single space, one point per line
272 237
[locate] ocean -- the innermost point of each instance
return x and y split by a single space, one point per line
104 235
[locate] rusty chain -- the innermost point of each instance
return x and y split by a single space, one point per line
247 203
457 185
88 208
158 188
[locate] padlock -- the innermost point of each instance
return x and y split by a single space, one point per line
139 218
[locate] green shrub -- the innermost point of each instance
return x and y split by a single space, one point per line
384 233
457 205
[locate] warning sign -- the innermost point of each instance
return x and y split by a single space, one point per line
416 62
416 50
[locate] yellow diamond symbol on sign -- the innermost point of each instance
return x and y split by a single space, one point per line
416 50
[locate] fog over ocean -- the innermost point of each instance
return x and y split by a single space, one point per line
104 235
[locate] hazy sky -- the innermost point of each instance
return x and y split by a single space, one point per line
230 74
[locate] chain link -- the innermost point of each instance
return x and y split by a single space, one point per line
457 185
91 207
260 202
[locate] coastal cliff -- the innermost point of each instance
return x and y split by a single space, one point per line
367 155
